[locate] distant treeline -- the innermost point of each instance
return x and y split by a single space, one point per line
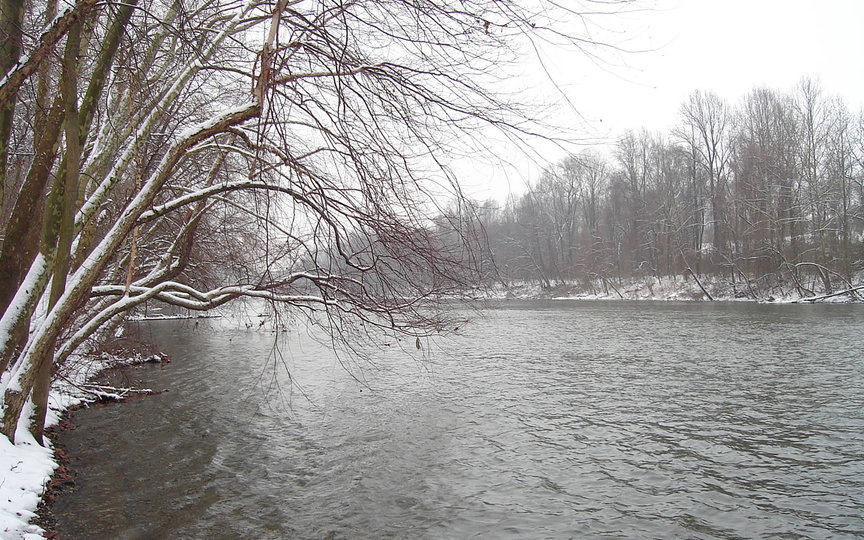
766 191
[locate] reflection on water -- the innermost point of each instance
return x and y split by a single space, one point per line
542 420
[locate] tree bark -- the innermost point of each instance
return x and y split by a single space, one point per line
15 77
25 225
11 21
72 128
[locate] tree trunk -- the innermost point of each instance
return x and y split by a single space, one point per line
41 345
11 21
25 224
72 127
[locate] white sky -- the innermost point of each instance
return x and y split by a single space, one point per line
725 46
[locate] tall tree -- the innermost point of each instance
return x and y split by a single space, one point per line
765 169
707 130
816 121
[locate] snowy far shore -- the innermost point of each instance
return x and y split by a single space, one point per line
27 466
675 288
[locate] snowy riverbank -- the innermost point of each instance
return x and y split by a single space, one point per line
665 289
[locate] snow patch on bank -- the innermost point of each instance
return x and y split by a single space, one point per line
25 468
676 288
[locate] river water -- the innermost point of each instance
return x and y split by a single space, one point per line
538 420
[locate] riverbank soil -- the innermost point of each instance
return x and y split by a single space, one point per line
62 481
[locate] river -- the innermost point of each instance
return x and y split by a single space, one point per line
557 419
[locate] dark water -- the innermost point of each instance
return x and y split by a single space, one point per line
542 420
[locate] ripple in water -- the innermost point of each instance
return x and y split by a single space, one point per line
541 420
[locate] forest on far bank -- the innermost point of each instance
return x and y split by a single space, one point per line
767 192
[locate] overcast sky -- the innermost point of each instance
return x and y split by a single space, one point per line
725 46
729 47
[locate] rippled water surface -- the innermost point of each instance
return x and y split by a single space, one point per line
540 420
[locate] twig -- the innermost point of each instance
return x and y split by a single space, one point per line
99 390
695 277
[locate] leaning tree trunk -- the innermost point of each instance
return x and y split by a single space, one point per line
22 239
25 224
72 128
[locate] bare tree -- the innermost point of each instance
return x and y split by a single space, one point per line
765 193
707 130
300 145
777 183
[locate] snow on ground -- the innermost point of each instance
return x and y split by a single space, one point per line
613 289
675 288
26 467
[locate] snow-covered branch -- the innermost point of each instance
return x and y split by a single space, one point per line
12 81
